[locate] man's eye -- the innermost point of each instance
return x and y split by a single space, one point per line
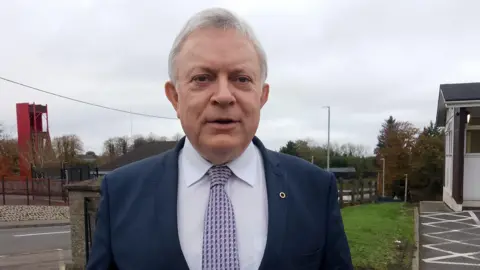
201 78
243 79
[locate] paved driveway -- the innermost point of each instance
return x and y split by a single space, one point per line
449 240
45 248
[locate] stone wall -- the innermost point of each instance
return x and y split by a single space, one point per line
78 194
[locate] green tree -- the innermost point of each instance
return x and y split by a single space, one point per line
290 149
428 157
396 141
345 155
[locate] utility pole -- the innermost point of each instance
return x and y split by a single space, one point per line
312 159
131 124
328 139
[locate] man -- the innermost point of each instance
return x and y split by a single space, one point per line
220 200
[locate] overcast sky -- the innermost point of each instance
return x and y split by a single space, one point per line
366 59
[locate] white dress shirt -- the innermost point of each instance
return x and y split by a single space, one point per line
247 191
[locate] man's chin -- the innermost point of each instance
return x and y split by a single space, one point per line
223 141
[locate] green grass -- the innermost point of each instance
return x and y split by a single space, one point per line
372 230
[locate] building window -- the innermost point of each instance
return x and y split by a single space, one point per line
473 141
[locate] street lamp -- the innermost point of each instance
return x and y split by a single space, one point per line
328 139
383 177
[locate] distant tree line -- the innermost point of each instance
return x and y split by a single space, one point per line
68 149
406 150
345 155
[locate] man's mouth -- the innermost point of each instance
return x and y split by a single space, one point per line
223 121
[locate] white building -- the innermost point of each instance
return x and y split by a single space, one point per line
459 112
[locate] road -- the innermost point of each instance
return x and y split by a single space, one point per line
35 248
450 240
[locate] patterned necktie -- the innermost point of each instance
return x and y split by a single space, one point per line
219 236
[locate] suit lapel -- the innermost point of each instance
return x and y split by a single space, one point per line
165 208
277 196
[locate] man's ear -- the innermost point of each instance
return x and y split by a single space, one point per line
172 95
264 94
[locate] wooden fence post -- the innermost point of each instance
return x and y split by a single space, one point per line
362 194
340 193
370 193
353 192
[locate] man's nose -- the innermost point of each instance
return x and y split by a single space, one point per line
223 95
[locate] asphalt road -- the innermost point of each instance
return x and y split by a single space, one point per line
35 248
450 240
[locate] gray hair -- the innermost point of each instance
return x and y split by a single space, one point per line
217 18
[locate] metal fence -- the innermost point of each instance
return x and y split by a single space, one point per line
90 206
39 191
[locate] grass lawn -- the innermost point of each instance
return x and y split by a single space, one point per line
372 230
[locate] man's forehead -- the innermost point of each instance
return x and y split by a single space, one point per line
217 49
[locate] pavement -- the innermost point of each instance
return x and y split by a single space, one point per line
448 240
33 223
35 248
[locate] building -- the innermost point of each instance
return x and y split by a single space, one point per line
459 112
88 157
142 152
344 172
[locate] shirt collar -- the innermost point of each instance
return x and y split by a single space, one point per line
195 166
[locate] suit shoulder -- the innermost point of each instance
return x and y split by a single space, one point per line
300 165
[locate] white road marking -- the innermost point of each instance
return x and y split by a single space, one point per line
438 220
31 253
459 219
474 217
35 234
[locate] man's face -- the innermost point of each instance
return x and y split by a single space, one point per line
219 92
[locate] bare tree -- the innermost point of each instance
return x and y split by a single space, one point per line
116 146
67 147
177 136
8 153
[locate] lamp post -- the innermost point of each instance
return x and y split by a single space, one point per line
406 188
383 177
328 139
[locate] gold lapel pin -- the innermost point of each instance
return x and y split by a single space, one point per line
282 195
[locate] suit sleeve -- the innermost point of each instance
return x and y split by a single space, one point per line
101 252
337 252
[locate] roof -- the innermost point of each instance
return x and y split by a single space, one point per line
455 93
142 152
343 170
460 91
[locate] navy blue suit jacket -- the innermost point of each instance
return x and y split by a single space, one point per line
137 217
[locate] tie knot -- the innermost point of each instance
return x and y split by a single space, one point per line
219 175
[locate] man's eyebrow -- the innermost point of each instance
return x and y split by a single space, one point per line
200 68
244 70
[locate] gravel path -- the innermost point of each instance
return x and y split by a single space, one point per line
33 212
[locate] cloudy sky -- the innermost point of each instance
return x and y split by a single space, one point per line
366 59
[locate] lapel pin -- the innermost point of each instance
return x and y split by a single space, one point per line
283 195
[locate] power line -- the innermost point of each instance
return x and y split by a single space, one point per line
86 102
